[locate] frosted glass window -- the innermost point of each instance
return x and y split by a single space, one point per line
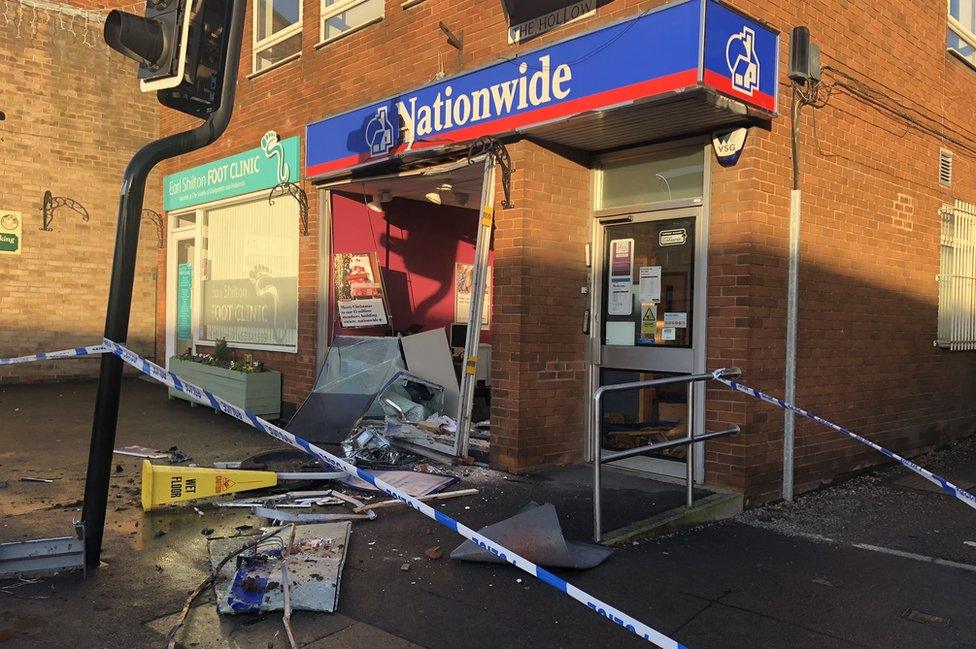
250 276
648 180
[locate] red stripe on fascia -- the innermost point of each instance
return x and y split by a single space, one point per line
724 84
600 100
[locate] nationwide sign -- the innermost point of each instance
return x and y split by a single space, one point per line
692 44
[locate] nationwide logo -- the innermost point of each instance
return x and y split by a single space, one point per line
449 110
379 133
743 62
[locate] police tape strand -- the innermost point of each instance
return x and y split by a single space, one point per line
50 356
945 485
172 380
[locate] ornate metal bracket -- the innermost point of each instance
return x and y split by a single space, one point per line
291 189
492 146
156 219
52 203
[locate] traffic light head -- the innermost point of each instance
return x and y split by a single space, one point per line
156 41
181 47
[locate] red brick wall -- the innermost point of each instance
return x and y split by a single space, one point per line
74 117
869 242
538 353
869 254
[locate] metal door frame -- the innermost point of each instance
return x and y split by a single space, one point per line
698 207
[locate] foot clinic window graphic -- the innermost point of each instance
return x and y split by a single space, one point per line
249 278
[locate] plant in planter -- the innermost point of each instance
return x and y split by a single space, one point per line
246 384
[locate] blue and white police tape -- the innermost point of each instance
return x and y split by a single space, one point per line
50 356
948 487
172 380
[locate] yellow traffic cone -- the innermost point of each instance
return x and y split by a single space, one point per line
165 485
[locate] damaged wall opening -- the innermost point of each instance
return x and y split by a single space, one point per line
398 281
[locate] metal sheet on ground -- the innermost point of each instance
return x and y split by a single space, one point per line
413 483
535 534
314 568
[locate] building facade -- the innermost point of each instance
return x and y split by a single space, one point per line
629 249
72 119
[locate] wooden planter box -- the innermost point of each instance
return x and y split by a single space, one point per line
258 392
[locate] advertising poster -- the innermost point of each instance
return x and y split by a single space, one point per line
619 293
463 283
184 288
359 290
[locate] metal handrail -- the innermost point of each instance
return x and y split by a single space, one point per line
597 418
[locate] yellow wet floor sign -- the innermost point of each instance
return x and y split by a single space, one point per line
165 485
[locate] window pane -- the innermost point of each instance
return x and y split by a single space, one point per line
275 15
250 279
277 52
351 18
647 180
962 47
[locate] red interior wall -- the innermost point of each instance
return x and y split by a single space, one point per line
417 244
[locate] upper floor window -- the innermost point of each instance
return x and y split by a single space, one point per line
343 16
962 29
277 32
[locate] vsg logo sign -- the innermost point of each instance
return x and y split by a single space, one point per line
380 134
743 62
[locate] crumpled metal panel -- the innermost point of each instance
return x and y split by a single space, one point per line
253 584
535 534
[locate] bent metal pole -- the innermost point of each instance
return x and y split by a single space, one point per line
120 291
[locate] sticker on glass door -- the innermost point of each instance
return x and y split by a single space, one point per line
621 277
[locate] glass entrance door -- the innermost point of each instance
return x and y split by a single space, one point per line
649 325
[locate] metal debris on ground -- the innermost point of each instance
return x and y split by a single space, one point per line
211 579
288 517
446 495
32 479
174 455
369 446
141 451
413 483
536 535
255 584
37 556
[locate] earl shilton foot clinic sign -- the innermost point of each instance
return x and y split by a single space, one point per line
249 171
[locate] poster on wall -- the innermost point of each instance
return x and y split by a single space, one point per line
11 232
359 290
184 288
463 284
619 293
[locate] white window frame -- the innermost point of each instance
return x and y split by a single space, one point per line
961 31
957 278
258 46
326 12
